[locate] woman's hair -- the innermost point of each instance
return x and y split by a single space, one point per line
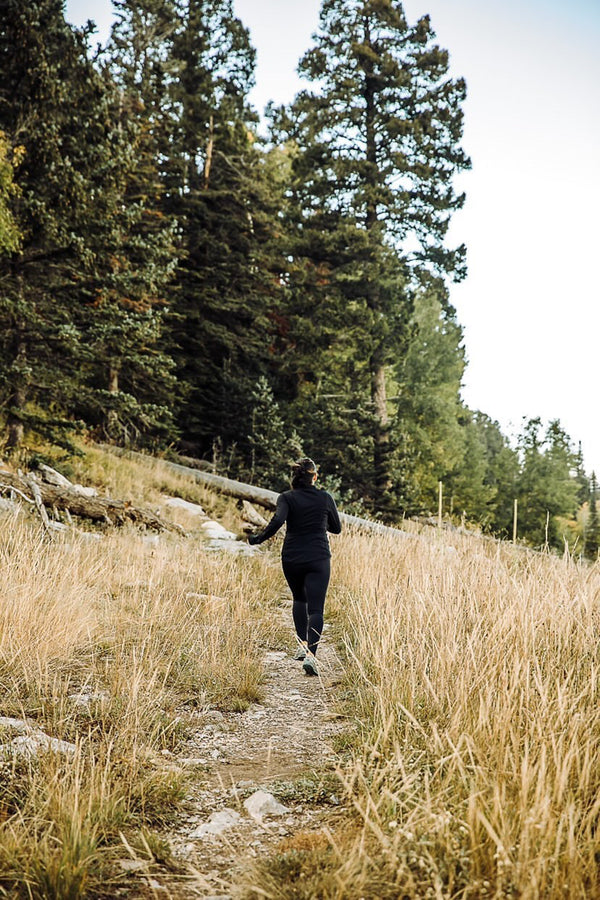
303 471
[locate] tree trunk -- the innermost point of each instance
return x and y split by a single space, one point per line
113 379
18 398
381 437
209 152
112 417
377 361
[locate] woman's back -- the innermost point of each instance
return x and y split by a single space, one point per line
310 514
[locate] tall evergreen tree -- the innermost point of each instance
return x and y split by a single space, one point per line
376 148
217 188
501 475
45 81
131 261
429 411
77 305
547 488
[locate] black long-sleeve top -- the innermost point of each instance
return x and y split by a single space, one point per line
310 513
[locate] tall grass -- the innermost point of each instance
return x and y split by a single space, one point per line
475 675
472 682
472 764
119 646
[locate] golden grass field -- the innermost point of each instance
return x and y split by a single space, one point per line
471 760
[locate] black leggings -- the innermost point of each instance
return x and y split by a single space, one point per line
308 583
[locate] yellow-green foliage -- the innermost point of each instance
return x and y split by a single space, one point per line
10 237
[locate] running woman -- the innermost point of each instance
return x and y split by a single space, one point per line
305 558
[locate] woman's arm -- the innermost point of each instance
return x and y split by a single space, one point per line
333 520
281 514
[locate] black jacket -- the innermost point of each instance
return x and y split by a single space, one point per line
310 513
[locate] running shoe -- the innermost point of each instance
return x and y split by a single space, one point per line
300 652
310 665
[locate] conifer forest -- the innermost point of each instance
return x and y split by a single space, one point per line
176 275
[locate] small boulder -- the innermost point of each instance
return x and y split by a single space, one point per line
216 532
217 823
261 804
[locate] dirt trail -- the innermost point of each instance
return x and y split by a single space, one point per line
281 746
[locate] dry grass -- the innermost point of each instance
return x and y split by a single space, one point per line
474 674
119 646
473 759
472 679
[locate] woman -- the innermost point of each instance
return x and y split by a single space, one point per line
306 558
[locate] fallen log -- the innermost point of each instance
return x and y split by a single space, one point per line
268 499
260 496
98 509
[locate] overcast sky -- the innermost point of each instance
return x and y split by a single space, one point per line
530 307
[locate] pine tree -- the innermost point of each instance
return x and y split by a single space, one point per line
44 77
376 148
501 475
132 258
583 481
547 488
218 190
79 297
429 409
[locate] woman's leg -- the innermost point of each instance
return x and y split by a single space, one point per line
316 582
295 579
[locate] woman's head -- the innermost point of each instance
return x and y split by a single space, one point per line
304 472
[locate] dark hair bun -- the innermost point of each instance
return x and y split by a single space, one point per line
304 465
303 471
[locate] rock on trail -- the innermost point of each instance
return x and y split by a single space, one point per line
232 814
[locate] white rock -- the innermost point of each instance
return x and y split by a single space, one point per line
217 823
194 509
217 532
16 724
261 804
31 745
85 698
90 536
31 740
133 865
240 548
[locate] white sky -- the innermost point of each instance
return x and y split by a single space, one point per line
530 305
